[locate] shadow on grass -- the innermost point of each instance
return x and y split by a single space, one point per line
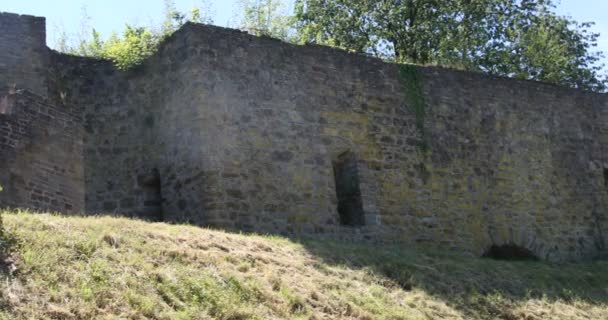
479 287
8 243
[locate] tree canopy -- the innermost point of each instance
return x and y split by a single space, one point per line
135 43
515 38
523 39
267 18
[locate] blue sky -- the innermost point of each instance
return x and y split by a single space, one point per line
109 15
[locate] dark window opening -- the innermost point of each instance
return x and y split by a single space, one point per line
350 205
509 252
151 186
606 177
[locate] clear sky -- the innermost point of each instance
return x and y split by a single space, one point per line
109 15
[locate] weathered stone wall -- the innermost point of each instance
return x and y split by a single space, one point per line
117 132
244 132
514 162
40 154
249 131
23 52
40 139
224 129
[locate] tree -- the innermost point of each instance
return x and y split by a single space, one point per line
135 43
174 19
557 50
501 37
92 47
267 18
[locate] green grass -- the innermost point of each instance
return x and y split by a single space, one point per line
114 268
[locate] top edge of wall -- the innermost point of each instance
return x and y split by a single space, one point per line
363 58
4 14
358 58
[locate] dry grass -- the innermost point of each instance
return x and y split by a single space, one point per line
114 268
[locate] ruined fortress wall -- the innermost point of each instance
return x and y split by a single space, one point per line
40 139
250 129
245 133
263 122
515 162
115 108
224 129
40 155
23 52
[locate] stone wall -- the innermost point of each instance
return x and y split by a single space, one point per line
23 52
515 162
224 129
244 131
41 150
40 154
117 132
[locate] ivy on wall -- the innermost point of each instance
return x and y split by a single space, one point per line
412 87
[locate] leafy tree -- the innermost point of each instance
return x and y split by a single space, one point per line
174 19
61 44
267 18
516 38
134 44
201 15
93 47
557 50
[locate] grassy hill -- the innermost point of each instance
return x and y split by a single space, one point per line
113 268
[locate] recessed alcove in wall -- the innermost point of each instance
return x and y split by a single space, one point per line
509 252
348 192
150 184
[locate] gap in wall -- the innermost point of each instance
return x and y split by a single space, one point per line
350 204
151 186
509 252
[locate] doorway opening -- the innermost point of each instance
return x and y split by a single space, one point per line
150 184
350 204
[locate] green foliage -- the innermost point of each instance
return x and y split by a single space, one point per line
556 50
519 38
135 43
93 47
412 87
523 39
174 19
267 18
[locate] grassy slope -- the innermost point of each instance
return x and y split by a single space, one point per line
109 268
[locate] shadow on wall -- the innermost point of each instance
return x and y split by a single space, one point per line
470 283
